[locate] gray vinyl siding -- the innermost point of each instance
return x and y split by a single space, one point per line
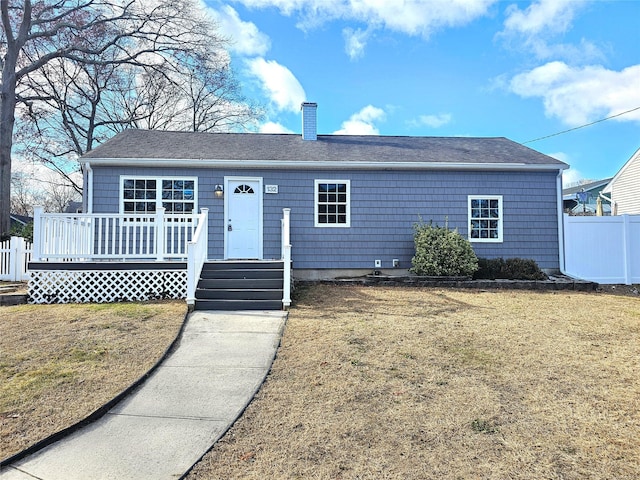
384 207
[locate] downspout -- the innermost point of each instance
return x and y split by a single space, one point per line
560 221
89 187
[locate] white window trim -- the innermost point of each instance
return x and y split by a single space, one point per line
158 199
500 238
315 204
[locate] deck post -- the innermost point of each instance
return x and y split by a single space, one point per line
37 234
286 257
160 235
197 250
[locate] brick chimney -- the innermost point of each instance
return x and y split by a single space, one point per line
309 124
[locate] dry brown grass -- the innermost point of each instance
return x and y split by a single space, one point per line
59 363
442 384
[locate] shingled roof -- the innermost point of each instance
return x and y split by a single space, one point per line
348 150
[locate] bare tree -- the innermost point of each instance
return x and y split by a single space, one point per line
65 115
34 184
204 97
48 190
22 198
84 32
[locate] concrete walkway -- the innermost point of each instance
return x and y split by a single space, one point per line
164 427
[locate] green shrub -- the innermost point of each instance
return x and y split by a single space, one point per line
441 252
523 269
509 269
25 231
489 268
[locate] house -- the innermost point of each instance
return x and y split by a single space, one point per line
624 188
583 199
342 205
73 206
20 221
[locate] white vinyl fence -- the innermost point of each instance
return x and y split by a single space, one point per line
603 249
15 254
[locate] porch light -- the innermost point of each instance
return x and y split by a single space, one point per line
218 191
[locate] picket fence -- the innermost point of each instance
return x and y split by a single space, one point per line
15 254
603 249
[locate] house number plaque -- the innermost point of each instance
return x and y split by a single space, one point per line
271 189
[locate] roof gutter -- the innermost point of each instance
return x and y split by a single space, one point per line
313 165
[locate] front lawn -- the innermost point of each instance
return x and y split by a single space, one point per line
59 363
374 382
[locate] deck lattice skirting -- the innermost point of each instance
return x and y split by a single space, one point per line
103 286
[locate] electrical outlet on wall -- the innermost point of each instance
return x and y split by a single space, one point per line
377 263
396 263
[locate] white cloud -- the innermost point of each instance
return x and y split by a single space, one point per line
585 51
355 42
245 37
542 16
274 127
362 123
543 20
41 173
433 121
277 81
285 6
579 95
570 176
411 17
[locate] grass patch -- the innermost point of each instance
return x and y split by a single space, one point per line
483 426
375 382
59 363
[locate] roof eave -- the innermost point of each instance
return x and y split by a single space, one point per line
314 165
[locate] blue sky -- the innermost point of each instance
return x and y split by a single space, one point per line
521 70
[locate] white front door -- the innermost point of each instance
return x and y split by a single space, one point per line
243 217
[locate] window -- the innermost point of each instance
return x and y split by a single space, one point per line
243 189
332 203
146 195
485 218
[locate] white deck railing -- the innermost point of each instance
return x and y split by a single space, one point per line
99 236
286 256
117 237
197 250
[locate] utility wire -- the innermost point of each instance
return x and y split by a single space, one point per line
581 126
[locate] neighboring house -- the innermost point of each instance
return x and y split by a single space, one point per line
353 199
583 199
337 205
19 221
624 188
73 207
